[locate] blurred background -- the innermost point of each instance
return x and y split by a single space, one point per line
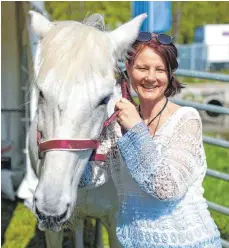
201 31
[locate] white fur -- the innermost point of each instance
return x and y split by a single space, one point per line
126 34
39 23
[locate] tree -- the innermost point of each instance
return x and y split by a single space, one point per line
186 15
194 14
115 13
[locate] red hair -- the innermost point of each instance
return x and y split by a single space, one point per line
168 53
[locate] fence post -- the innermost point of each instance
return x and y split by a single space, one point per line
192 57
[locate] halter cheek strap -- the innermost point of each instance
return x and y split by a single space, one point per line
80 145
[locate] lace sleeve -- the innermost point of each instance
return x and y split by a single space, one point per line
166 176
96 173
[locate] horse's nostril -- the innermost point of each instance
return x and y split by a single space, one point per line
51 218
62 216
57 218
37 211
39 214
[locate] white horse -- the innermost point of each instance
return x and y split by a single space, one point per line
76 72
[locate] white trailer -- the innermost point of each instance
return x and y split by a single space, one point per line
216 38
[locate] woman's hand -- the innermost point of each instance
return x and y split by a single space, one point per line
128 116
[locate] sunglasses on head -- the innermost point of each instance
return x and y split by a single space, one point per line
161 38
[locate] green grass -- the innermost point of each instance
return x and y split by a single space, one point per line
191 80
217 190
21 228
105 237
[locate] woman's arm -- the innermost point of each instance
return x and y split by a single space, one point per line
166 176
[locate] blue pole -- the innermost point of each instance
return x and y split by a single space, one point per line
151 17
159 15
140 7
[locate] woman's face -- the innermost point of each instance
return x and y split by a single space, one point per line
148 75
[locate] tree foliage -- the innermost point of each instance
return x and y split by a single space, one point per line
194 14
186 15
115 13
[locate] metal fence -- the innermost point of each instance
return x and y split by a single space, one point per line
192 57
207 139
202 57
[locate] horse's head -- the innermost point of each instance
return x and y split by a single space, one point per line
75 75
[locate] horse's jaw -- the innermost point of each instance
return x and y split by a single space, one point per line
56 193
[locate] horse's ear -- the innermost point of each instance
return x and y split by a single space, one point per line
126 34
39 23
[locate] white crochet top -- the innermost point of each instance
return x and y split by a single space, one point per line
159 184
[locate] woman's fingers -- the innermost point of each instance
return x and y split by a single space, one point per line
127 116
122 104
124 100
120 115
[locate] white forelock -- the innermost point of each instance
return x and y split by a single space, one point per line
72 51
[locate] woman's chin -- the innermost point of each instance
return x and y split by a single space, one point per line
147 95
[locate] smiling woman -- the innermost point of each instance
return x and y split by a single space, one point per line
167 54
150 66
162 160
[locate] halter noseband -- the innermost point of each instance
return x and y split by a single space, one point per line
79 145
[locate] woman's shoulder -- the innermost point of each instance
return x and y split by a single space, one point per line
184 109
189 113
186 117
182 112
179 115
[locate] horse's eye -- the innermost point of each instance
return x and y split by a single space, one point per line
41 94
104 101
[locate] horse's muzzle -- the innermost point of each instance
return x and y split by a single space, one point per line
51 223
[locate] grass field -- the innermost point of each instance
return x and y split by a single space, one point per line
217 190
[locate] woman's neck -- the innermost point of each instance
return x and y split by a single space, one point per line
151 109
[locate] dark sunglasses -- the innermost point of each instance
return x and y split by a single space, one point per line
161 38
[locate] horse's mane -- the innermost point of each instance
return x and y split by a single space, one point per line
71 51
95 20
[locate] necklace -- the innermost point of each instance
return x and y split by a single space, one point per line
159 113
156 127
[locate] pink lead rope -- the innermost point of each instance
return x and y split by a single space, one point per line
77 145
